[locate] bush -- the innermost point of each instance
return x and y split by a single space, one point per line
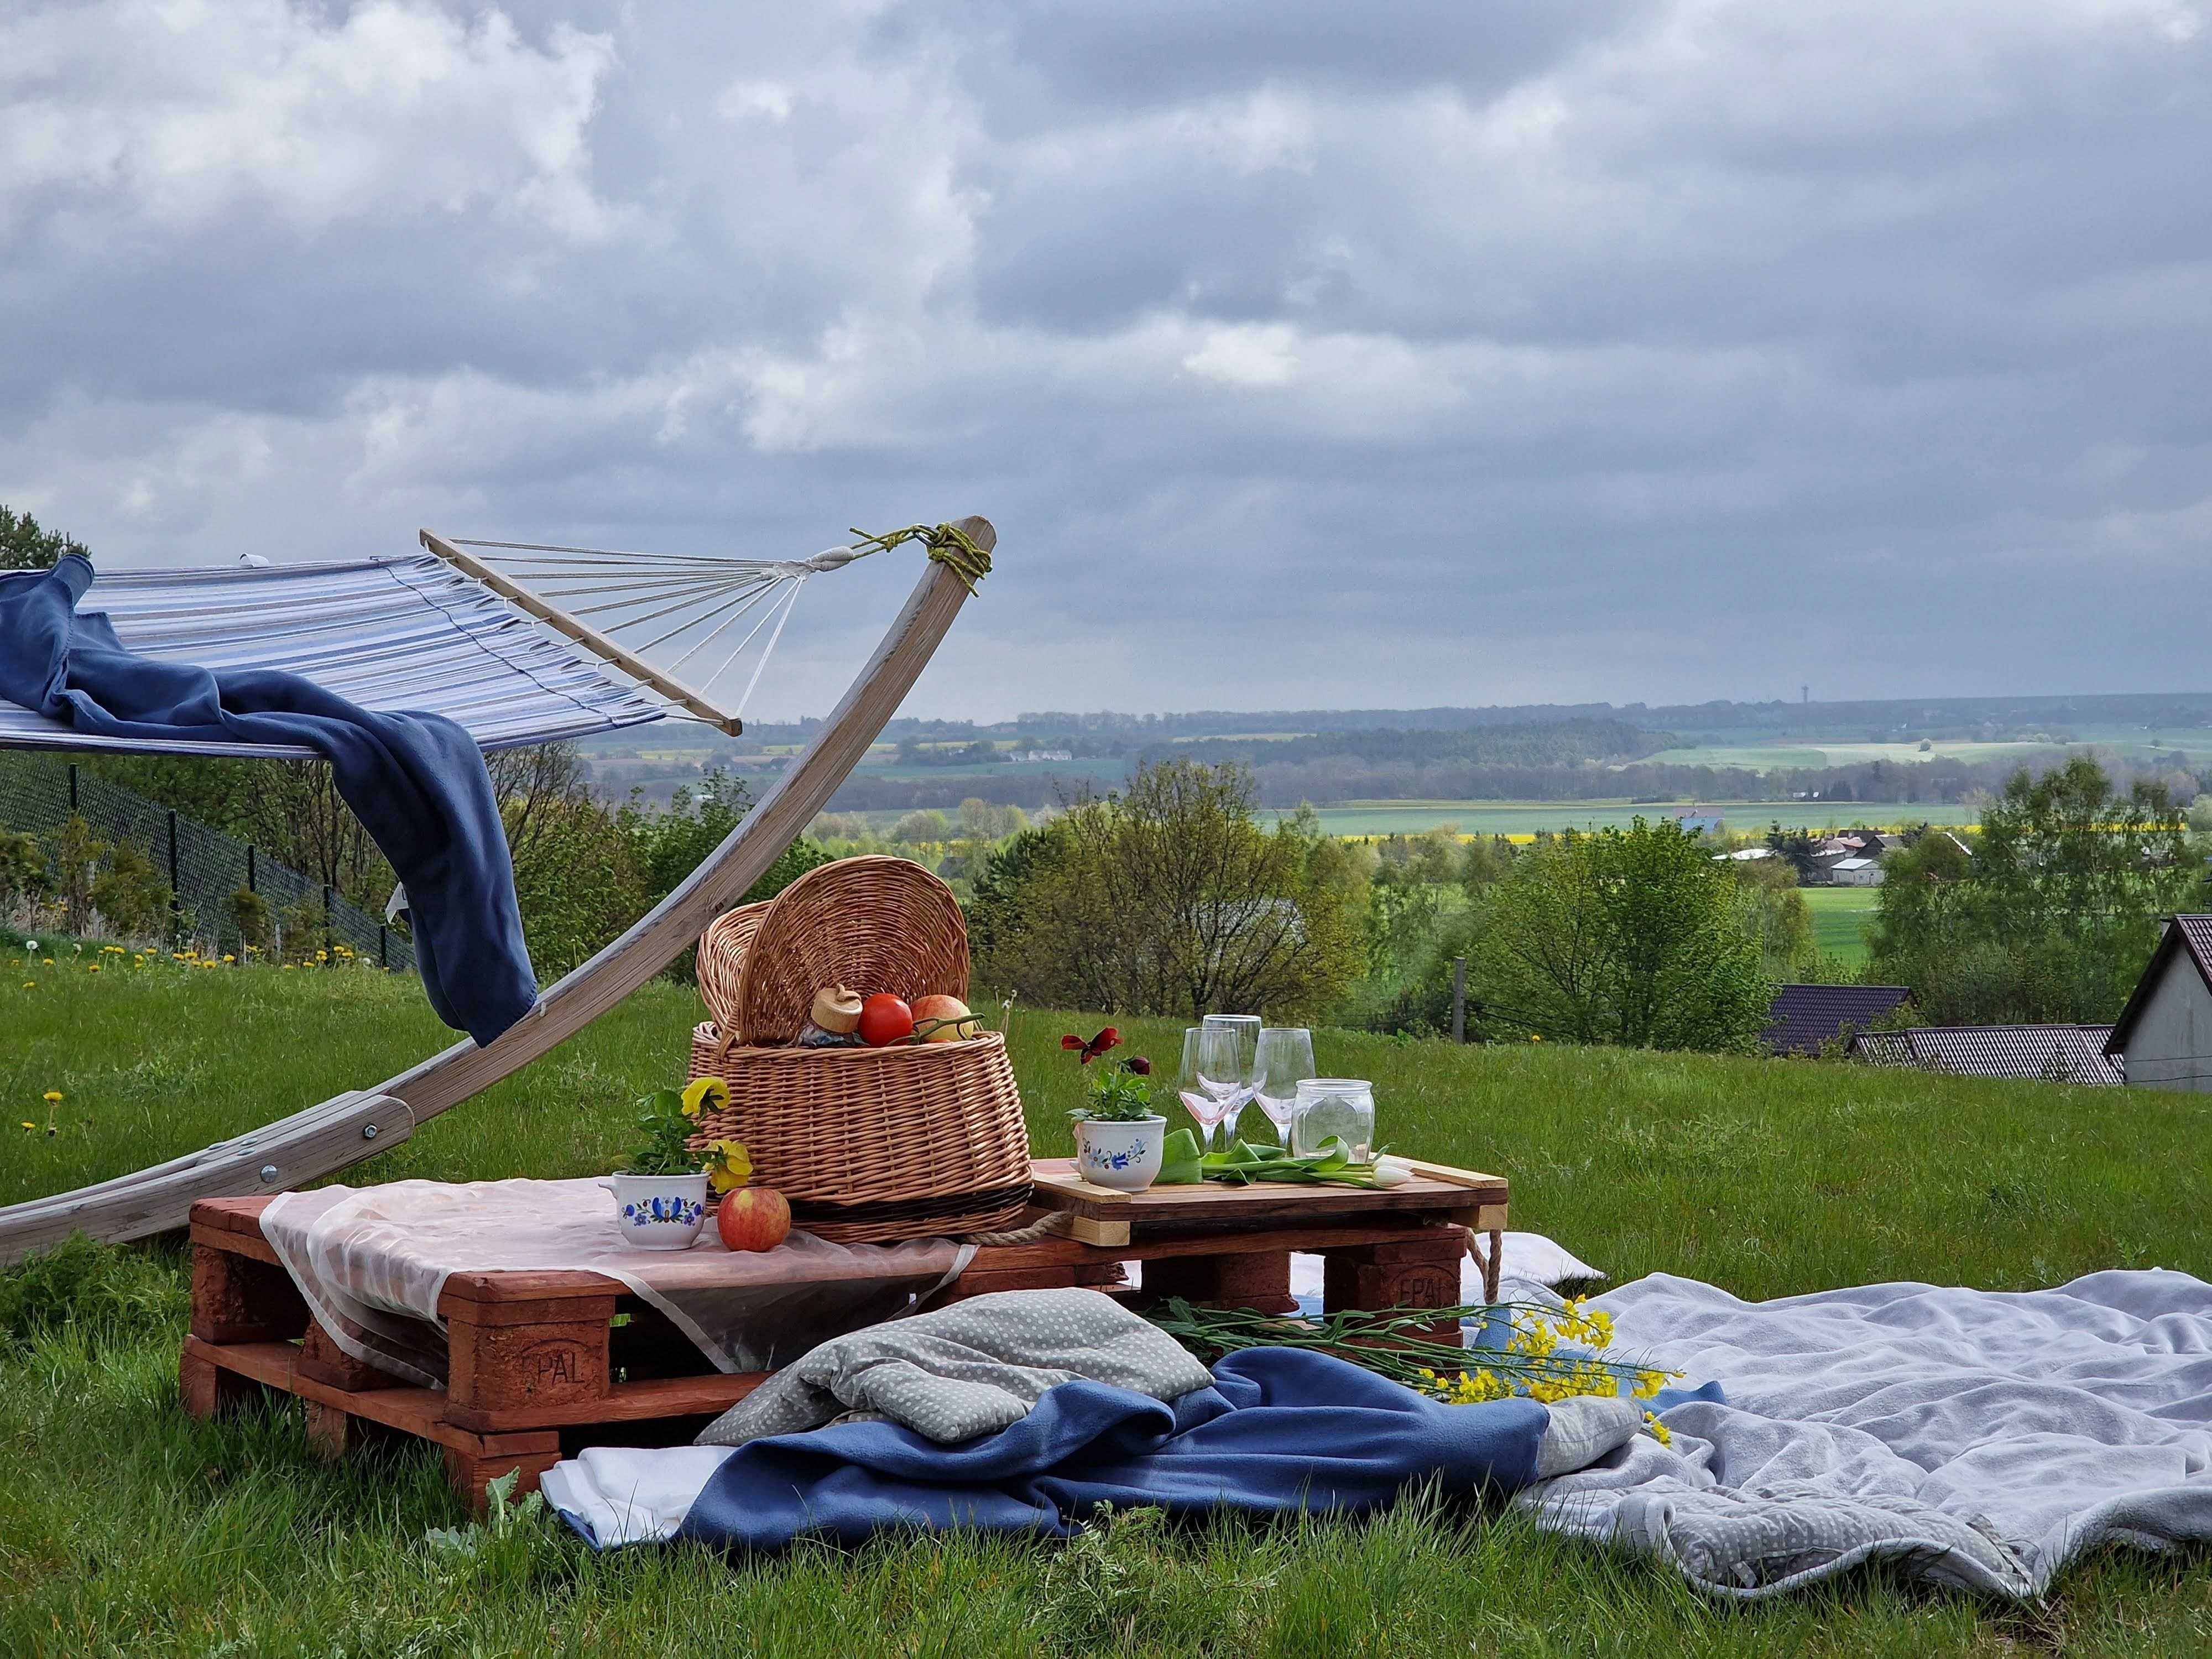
130 894
22 866
249 919
1631 936
1170 900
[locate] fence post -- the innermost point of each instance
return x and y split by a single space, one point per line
176 898
252 885
383 956
327 925
72 787
1459 998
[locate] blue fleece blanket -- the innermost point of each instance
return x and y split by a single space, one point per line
1281 1429
415 780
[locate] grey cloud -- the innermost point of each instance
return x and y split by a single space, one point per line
1304 354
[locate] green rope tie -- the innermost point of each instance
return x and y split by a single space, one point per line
949 545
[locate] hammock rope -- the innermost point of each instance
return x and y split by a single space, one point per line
644 601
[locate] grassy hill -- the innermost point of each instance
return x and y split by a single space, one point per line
125 1527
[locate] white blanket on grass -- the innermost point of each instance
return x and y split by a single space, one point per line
1983 1439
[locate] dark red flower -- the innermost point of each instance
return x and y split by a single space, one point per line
1140 1064
1097 1045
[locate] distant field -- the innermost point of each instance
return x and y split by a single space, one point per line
1505 817
1772 757
1841 916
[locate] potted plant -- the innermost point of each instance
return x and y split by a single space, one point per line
660 1199
1117 1133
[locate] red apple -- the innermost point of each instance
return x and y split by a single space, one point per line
885 1019
752 1218
945 1019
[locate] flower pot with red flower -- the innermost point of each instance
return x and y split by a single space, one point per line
1118 1135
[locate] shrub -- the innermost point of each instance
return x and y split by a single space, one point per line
22 866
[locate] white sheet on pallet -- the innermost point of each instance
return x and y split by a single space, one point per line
372 1262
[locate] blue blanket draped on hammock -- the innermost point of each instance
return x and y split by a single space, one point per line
1281 1430
415 780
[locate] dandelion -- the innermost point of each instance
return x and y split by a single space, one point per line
27 1124
92 968
30 985
53 1097
48 961
227 957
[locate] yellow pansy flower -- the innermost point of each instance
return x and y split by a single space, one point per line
728 1165
705 1094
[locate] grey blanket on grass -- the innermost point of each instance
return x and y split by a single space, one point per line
973 1368
1982 1439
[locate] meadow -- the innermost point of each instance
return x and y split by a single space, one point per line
125 1527
1841 916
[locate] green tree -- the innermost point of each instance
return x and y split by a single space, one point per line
1774 912
670 845
1169 899
2053 914
1631 936
25 546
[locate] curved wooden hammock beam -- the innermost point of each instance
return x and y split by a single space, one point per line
348 1128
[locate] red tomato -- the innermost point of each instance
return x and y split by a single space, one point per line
885 1019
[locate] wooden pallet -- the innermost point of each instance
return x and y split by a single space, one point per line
541 1365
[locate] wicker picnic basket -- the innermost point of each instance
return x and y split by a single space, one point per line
868 1145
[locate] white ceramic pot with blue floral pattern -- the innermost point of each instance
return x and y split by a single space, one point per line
658 1212
1123 1156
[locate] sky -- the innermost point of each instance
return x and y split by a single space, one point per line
1303 354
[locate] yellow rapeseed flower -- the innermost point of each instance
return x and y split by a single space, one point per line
705 1094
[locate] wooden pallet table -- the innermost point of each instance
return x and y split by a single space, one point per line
541 1365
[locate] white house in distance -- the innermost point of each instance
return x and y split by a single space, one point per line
2164 1035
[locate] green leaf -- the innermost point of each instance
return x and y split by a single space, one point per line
1180 1165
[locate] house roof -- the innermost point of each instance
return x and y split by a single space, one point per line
1806 1015
2184 935
1854 863
2072 1053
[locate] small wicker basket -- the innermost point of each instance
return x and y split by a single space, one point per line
868 1145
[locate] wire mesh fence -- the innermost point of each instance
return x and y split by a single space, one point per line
202 869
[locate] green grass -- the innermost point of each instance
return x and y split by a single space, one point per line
1528 817
126 1528
1841 917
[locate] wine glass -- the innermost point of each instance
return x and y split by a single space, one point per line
1246 1029
1209 1056
1283 1060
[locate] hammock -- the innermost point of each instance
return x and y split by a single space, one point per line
348 1128
467 629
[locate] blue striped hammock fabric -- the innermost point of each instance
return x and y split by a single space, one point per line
406 633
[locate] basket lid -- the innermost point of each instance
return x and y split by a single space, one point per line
871 923
722 949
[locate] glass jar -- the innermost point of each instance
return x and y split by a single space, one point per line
1341 1106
